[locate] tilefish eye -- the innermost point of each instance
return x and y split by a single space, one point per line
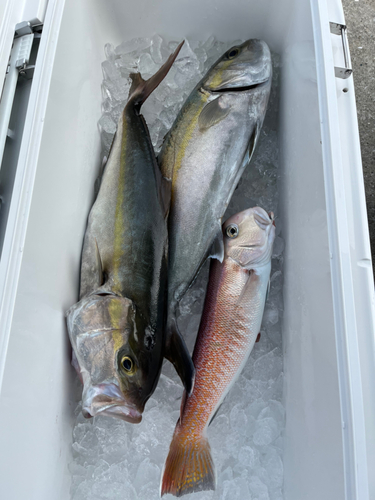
128 365
232 231
233 53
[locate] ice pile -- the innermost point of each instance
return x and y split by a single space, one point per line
114 459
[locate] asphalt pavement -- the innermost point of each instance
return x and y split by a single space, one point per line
360 20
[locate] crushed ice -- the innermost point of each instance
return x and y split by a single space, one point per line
114 459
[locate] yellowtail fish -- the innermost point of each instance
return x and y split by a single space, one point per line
117 328
204 154
230 325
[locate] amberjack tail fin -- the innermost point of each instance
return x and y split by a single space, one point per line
141 89
188 468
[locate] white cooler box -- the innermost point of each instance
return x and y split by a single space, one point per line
328 325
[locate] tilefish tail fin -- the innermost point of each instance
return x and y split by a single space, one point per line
189 467
141 89
177 353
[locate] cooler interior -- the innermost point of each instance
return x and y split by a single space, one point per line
40 390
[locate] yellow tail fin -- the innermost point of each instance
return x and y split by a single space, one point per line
188 468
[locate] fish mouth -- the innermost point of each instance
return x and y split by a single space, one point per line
263 218
107 400
122 412
240 89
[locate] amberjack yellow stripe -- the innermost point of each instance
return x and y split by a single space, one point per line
119 218
117 340
218 78
115 311
187 135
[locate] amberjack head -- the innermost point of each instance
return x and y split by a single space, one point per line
241 67
117 371
249 237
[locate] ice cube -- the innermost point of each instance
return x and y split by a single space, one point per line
274 410
155 50
271 316
147 67
109 51
247 457
114 459
278 247
233 443
136 44
266 431
238 419
227 474
231 490
258 489
268 366
148 472
106 124
276 282
274 469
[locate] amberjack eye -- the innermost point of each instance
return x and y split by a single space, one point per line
128 364
233 53
232 231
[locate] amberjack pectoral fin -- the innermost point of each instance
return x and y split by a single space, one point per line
252 143
213 113
258 337
177 353
217 248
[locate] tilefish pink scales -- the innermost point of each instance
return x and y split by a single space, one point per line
230 324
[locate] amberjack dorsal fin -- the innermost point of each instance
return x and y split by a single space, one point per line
141 89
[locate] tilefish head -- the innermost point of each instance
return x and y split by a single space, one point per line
249 237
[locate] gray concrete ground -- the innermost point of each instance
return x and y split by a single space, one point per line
360 19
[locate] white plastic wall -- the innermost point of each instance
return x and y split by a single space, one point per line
38 394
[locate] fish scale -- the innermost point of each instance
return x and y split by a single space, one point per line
204 154
117 327
230 324
215 366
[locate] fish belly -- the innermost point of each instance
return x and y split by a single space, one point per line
205 166
227 334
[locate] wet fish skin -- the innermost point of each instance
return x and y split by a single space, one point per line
117 327
205 153
230 324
